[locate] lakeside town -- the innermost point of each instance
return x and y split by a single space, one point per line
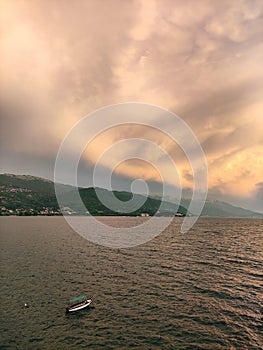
32 196
26 195
28 212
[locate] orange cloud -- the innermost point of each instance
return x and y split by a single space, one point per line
201 60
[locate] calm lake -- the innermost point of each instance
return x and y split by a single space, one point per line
199 290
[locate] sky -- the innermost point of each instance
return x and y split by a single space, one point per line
202 60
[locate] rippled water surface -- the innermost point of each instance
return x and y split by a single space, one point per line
200 290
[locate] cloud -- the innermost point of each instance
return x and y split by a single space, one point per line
201 60
237 24
145 20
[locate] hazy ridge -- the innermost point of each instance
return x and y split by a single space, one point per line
30 195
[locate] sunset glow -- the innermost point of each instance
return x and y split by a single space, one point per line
202 60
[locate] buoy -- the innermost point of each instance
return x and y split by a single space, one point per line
26 305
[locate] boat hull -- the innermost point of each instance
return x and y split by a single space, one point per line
78 306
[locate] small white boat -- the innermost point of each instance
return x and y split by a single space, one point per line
78 303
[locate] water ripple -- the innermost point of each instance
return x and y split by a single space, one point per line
201 290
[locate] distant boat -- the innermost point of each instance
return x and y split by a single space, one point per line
78 303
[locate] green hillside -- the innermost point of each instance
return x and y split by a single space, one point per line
26 194
29 195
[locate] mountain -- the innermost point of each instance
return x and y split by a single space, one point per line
29 195
26 194
222 209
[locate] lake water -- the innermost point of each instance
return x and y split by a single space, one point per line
199 290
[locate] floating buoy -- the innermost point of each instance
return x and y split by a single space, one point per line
26 305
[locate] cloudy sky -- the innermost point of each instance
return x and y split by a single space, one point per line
202 60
